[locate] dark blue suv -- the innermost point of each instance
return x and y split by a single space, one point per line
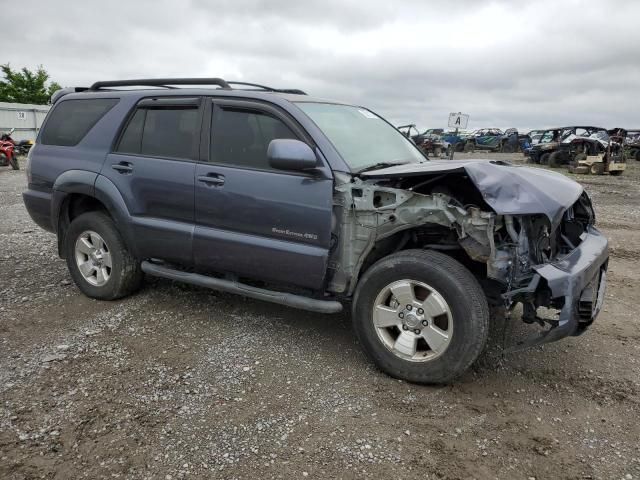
314 204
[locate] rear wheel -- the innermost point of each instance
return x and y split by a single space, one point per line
98 260
637 155
421 316
468 147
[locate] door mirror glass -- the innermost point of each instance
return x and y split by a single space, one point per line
288 154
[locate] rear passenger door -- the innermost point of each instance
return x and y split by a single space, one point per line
253 220
153 167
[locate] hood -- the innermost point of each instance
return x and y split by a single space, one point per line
508 189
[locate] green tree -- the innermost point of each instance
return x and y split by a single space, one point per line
25 86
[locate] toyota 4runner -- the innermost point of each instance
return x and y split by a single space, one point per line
313 204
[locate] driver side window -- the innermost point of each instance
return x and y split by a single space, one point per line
241 137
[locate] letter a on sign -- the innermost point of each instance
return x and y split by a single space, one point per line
458 120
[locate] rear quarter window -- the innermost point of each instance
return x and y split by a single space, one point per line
71 120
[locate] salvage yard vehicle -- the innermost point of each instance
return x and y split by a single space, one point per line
492 139
596 159
560 146
430 142
632 145
312 204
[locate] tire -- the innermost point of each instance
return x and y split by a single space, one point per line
555 160
459 146
123 277
508 148
467 317
544 159
468 147
14 162
637 155
596 169
436 152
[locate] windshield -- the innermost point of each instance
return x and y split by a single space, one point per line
361 137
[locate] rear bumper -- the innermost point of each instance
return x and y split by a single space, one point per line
38 205
577 282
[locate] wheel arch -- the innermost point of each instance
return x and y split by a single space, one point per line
78 192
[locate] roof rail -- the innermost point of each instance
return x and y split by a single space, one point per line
159 82
257 86
58 94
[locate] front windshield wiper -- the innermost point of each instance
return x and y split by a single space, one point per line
378 165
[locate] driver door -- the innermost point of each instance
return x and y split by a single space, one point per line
251 219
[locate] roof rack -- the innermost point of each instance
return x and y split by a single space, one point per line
257 86
160 82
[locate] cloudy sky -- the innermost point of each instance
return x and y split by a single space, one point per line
506 63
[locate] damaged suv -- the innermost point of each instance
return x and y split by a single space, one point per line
313 204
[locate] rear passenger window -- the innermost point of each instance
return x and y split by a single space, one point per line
162 132
241 137
71 120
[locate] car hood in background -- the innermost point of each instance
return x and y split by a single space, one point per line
508 189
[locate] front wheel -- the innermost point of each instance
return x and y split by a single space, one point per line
99 262
421 316
14 162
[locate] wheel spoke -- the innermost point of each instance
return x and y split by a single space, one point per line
84 246
96 241
406 343
86 269
100 275
434 305
435 338
403 291
106 259
384 316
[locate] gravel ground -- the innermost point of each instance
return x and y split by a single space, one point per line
181 382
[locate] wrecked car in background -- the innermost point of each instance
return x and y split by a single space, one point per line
315 205
430 141
632 145
600 154
491 139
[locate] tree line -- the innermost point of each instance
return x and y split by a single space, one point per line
26 86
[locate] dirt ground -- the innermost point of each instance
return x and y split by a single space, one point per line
181 382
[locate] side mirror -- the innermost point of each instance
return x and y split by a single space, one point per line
288 154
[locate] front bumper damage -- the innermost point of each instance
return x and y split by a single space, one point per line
576 283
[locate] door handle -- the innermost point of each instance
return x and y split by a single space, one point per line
123 167
212 179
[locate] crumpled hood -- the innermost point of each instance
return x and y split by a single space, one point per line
508 189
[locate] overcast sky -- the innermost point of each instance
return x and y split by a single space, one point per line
506 63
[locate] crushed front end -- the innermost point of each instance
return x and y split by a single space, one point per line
562 268
532 230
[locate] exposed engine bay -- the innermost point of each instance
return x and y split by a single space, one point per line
449 211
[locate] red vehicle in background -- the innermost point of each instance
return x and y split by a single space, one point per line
8 155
